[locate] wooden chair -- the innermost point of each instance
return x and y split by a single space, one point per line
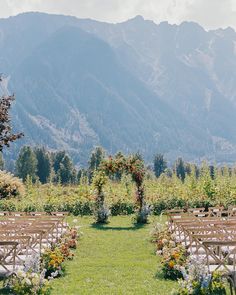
8 257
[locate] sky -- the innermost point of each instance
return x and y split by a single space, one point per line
210 14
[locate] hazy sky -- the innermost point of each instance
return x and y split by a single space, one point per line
209 13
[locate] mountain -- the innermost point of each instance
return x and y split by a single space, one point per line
132 86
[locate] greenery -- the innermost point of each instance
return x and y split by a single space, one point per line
101 212
10 186
6 135
64 168
96 157
162 193
44 165
1 162
160 165
26 164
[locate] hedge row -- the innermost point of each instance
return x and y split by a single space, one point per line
83 208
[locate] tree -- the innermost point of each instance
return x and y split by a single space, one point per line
212 171
6 135
1 162
180 169
160 165
63 168
43 164
81 173
96 157
66 172
57 158
26 164
119 157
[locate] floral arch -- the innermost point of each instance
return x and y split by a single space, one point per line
132 165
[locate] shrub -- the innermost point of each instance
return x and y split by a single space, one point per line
122 208
10 186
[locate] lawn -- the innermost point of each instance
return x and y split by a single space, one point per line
116 258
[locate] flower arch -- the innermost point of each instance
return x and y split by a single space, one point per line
133 165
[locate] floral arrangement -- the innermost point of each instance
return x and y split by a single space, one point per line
101 211
161 236
133 165
65 250
71 237
53 261
74 234
197 280
172 261
30 283
72 244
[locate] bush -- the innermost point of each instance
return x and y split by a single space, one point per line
122 208
10 186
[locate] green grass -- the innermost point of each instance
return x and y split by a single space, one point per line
116 258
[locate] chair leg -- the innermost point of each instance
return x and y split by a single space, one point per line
232 282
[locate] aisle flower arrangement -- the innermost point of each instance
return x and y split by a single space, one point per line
162 238
172 261
53 261
197 280
29 283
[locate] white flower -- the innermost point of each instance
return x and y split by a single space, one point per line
28 282
172 244
21 274
164 241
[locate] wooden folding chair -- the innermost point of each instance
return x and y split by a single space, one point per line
7 257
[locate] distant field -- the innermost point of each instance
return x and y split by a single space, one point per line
163 193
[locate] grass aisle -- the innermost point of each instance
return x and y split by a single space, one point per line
113 259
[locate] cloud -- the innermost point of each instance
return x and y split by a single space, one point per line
212 13
209 13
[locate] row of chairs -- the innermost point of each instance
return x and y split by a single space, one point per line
209 236
24 235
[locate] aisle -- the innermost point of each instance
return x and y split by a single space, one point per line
113 259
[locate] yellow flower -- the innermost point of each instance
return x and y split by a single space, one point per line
176 255
171 264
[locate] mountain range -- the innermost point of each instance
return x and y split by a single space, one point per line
131 86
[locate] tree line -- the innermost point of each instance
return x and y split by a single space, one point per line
57 166
182 169
48 166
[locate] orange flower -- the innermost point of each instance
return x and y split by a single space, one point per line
171 264
176 255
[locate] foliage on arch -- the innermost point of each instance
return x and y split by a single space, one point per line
133 165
